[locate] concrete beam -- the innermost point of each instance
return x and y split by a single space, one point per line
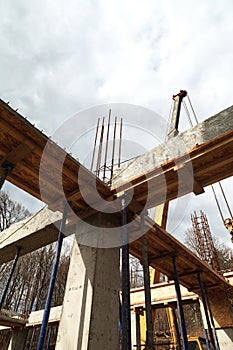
205 131
35 317
161 294
31 233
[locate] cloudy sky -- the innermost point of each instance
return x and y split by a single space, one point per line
58 58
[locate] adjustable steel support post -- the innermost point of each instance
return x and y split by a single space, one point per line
120 325
10 277
174 327
53 275
126 318
32 338
204 300
180 306
212 322
6 169
205 331
146 275
138 332
49 337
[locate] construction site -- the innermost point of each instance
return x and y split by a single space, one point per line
105 208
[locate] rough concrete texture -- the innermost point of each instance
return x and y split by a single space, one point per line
225 338
31 233
161 294
179 145
90 311
36 221
36 317
133 329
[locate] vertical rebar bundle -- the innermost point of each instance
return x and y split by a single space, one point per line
108 142
203 240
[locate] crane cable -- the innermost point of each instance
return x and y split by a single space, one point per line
217 202
194 114
187 113
220 185
169 121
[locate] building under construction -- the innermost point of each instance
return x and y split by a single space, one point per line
83 202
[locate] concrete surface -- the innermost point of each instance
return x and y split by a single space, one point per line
205 131
90 312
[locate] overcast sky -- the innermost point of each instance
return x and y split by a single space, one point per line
60 57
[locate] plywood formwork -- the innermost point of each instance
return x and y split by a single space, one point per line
22 145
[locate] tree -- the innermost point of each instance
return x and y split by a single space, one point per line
136 272
29 286
224 253
10 211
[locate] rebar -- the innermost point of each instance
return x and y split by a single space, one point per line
113 149
106 147
100 149
203 240
120 144
93 153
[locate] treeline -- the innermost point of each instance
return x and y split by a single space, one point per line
29 286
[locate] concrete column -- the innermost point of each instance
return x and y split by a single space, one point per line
90 312
18 339
225 338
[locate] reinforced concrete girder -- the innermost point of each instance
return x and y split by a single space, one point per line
31 233
194 159
34 319
162 294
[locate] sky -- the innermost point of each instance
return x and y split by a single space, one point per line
60 58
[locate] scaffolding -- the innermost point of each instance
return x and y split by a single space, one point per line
204 240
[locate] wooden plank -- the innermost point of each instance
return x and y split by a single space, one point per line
25 146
